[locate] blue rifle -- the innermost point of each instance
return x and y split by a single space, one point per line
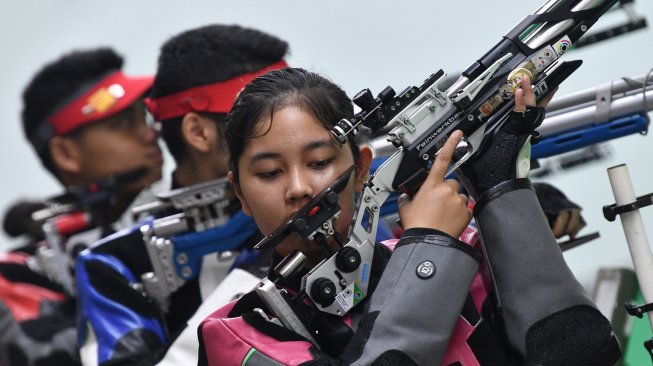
595 115
185 225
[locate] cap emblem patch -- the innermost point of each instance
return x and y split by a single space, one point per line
103 99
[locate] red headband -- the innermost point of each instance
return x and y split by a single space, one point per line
214 98
107 97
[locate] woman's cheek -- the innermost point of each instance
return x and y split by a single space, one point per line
323 181
273 217
347 210
264 208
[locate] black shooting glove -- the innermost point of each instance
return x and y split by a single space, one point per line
503 158
562 214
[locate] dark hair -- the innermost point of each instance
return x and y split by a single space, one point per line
207 55
279 88
57 82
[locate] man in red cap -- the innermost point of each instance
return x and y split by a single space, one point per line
86 122
200 73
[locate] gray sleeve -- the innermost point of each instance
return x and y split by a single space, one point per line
547 316
418 300
534 274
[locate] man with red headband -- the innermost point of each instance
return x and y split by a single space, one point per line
86 122
200 73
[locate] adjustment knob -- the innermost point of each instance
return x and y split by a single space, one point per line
386 95
340 131
323 291
348 259
365 100
300 224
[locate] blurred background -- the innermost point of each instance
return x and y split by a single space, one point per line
359 44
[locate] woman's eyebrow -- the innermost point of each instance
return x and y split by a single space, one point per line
316 144
313 145
264 155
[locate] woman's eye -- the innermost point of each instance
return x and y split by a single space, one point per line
269 174
321 163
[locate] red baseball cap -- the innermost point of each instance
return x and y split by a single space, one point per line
110 95
102 99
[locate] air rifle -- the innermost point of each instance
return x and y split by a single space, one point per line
579 120
79 209
587 117
192 222
422 118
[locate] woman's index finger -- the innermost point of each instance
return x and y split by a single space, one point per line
442 160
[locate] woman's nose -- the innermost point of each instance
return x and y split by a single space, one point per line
299 186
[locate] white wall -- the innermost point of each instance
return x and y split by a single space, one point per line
363 43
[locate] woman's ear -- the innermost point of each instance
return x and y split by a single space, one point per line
65 154
199 132
363 165
239 194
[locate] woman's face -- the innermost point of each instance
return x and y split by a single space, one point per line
285 167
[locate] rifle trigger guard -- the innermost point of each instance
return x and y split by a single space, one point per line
473 142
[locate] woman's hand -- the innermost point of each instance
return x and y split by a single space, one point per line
569 222
438 204
524 96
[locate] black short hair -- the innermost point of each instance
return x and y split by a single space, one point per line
207 55
60 80
266 94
